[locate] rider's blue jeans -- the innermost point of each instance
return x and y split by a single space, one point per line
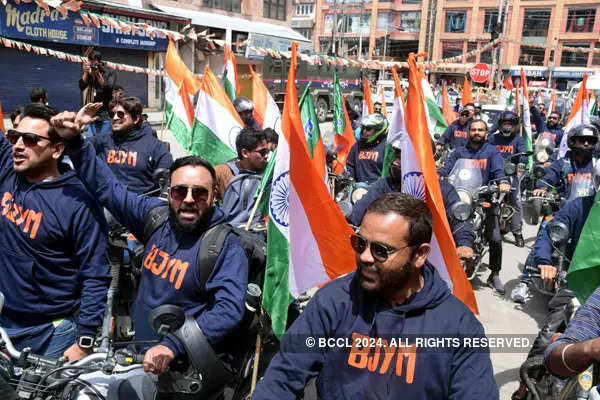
45 340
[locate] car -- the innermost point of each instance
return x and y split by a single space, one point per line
490 114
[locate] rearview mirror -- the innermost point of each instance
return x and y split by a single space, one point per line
166 319
160 177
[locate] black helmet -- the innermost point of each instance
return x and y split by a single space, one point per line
507 116
242 104
582 131
595 122
374 121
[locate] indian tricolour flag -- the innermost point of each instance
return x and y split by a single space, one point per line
526 130
266 111
367 103
307 234
397 128
419 178
552 106
436 121
216 123
180 86
230 77
579 115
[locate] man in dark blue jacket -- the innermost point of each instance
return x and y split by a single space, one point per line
461 231
573 215
52 244
553 125
508 144
487 158
365 159
131 151
170 261
456 134
348 336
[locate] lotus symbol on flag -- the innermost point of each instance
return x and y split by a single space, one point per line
413 184
279 203
308 127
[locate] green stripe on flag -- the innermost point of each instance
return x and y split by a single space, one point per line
339 120
265 186
228 86
436 113
178 127
310 123
584 272
208 146
276 298
388 157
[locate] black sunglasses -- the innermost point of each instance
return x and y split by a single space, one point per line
29 139
120 114
379 251
262 152
180 192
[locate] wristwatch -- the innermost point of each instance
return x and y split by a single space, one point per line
85 342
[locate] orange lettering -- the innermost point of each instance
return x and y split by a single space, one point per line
149 260
165 259
389 353
132 159
374 361
122 157
36 218
6 202
410 354
110 157
358 356
171 263
182 268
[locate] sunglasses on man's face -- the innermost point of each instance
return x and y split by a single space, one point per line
379 251
180 192
119 114
263 152
29 139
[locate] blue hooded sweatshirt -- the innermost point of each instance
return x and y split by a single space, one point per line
133 157
462 231
53 250
573 214
507 146
564 172
365 160
556 131
487 158
342 309
169 273
456 134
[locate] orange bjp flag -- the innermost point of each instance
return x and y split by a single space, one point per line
447 112
467 96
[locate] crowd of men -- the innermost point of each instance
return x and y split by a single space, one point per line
66 178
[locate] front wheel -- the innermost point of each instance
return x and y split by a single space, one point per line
322 110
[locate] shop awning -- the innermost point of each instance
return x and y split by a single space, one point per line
126 9
221 21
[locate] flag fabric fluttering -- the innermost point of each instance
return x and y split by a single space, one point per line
307 234
518 100
552 106
266 112
437 122
593 106
447 112
508 85
230 76
397 128
419 178
540 98
180 87
526 130
466 96
312 132
216 123
383 105
367 102
579 115
344 135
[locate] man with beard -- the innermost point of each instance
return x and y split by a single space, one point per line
365 159
245 109
457 132
488 160
131 150
394 294
171 253
553 125
461 231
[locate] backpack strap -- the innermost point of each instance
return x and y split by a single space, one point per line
155 219
234 168
210 248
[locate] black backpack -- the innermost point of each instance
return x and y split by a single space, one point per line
254 245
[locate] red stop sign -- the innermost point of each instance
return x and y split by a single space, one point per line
480 73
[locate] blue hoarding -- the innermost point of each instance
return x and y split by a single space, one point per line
29 21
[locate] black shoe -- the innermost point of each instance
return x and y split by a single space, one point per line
519 242
495 283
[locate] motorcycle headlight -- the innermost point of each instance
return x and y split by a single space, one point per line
558 231
539 171
461 211
357 194
545 142
541 156
464 196
341 195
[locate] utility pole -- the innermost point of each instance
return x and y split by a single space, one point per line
333 29
360 28
502 44
373 30
432 10
385 39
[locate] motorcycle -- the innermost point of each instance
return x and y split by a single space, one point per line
346 192
474 197
511 168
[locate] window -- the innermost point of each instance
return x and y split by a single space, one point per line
596 56
227 5
470 47
486 56
384 22
536 23
410 21
574 58
491 19
411 1
456 21
452 49
328 28
306 32
304 9
274 9
531 56
581 19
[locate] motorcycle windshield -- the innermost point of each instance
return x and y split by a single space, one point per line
581 186
544 147
466 178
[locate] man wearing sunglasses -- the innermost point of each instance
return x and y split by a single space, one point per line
131 150
170 257
552 125
52 244
394 293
